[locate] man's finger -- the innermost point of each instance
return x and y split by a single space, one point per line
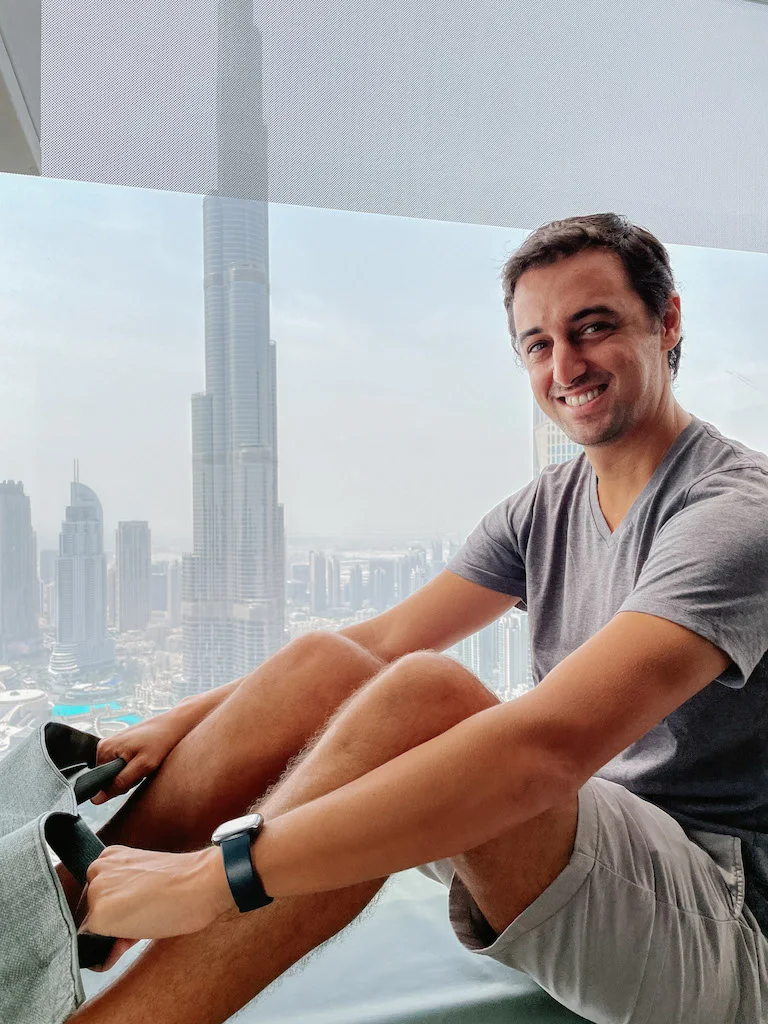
108 749
132 774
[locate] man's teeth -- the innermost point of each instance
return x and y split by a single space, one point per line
583 399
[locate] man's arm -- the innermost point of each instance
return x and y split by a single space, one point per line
495 770
436 617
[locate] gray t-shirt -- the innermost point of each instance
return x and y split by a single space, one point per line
693 548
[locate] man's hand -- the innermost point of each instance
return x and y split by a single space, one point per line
140 894
143 747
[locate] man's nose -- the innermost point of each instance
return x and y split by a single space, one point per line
567 364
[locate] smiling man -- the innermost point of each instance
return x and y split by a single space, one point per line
606 833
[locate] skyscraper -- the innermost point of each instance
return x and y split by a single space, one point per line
318 583
333 581
81 587
173 611
19 597
514 654
234 580
550 444
133 548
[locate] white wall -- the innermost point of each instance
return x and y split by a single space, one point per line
20 86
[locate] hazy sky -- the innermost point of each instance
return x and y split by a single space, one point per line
401 410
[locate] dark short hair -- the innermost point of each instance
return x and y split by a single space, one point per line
645 260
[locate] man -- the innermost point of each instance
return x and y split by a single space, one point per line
594 832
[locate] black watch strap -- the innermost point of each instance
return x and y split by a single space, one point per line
243 878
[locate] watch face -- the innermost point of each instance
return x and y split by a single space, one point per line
248 823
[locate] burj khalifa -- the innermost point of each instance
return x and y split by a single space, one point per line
233 604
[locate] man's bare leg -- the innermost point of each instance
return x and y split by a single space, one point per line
240 749
243 746
206 977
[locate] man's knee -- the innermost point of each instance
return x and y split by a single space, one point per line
436 684
322 651
326 646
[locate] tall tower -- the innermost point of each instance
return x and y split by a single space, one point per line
19 629
233 605
133 547
81 587
550 444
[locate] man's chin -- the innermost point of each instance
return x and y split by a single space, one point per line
591 436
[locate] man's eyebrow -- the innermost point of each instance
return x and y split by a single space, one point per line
587 311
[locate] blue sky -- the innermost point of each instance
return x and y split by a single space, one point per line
400 407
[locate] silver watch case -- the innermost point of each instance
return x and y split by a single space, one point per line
250 823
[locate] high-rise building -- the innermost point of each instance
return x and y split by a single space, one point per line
381 583
19 588
165 590
550 444
418 571
402 577
81 587
318 583
133 554
333 581
173 611
514 654
233 583
111 594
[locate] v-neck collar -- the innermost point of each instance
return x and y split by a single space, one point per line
597 513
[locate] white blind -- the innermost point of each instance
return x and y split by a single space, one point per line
464 110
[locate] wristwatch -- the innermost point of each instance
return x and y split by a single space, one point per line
234 839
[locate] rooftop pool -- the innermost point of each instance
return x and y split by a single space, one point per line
103 710
70 710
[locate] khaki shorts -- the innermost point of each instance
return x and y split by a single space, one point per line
645 925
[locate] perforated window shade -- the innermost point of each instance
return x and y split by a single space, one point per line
510 114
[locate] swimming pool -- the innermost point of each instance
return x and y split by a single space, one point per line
70 710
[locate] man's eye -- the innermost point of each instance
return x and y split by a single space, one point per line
531 350
598 325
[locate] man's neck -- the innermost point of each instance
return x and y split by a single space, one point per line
625 467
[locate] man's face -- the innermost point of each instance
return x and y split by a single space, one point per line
571 352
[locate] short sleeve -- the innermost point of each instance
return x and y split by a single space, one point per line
707 569
492 554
